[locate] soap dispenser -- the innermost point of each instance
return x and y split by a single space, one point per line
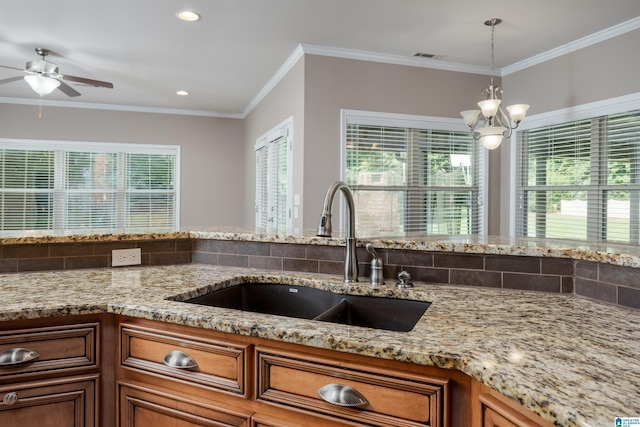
377 277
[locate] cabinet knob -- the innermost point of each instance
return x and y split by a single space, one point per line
342 395
180 360
10 398
16 356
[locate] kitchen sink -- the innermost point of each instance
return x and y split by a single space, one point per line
316 304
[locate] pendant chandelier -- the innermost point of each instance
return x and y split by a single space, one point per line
495 123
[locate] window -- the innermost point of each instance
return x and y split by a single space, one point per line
581 180
74 187
413 175
273 180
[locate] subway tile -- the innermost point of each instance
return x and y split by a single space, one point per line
232 260
337 268
204 258
596 290
462 261
490 279
40 264
71 249
427 274
184 245
8 265
168 258
294 264
586 270
75 262
512 263
106 247
224 247
25 251
326 253
254 248
413 258
200 245
531 282
628 297
567 284
619 275
266 262
158 246
288 251
559 266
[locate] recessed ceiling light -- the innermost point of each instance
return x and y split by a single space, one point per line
182 93
188 15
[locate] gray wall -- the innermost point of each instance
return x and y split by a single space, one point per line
285 100
211 150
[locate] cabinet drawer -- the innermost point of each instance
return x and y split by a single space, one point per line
63 402
58 348
392 398
217 365
144 407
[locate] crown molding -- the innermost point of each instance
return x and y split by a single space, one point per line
116 107
600 36
393 59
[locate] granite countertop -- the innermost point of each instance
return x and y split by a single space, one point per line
570 360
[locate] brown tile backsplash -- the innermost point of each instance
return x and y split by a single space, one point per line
604 282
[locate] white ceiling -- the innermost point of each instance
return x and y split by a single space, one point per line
227 58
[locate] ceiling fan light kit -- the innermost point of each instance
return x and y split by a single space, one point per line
43 77
495 123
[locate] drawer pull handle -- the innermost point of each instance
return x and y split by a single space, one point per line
16 356
180 360
342 395
10 398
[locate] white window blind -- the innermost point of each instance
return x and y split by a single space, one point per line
273 187
54 186
413 180
581 180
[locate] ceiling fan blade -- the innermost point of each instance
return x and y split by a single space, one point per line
11 79
90 82
68 90
11 68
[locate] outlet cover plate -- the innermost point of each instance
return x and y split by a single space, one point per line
121 257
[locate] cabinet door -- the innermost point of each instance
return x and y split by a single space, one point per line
59 403
497 414
144 407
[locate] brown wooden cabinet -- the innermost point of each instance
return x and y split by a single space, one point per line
145 407
491 409
50 372
66 402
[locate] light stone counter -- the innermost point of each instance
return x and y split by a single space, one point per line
573 361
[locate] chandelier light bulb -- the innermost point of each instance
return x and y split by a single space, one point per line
489 107
470 117
517 112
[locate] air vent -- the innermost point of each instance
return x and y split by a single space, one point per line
424 55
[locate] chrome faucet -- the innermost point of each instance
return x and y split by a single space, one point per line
324 228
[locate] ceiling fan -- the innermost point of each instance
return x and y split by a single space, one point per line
44 78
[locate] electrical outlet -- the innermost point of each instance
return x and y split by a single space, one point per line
120 257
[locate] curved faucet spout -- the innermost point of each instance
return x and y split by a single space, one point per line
325 229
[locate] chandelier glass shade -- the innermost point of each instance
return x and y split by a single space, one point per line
491 123
42 85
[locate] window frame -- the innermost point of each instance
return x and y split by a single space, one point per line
375 118
588 111
120 149
283 129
